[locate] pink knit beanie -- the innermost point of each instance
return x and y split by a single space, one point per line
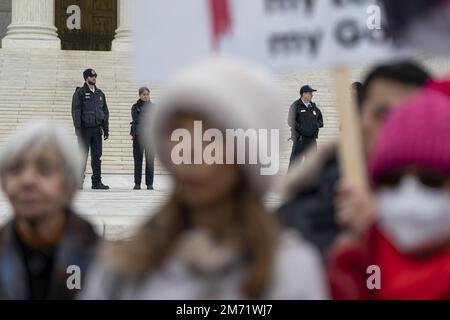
415 134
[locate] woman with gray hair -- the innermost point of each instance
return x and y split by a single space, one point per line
44 243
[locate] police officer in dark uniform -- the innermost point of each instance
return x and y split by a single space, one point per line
91 120
138 112
305 119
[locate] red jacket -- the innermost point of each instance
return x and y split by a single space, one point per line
402 276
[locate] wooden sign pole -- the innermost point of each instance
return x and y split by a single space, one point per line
351 156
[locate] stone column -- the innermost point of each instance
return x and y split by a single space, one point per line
122 39
5 17
32 25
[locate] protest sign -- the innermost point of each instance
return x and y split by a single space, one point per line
279 34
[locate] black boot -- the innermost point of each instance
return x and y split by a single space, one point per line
137 187
99 186
149 187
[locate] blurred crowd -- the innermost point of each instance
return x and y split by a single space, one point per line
214 238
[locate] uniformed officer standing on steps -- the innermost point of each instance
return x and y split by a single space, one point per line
91 120
305 120
138 113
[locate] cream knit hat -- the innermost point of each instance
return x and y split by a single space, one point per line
230 95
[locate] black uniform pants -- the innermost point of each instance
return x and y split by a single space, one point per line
300 146
138 155
91 139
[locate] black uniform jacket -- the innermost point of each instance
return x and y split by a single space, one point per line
89 109
304 121
138 112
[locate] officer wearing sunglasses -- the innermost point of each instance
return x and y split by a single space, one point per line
91 120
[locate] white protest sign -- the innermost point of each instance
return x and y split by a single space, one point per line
280 34
324 33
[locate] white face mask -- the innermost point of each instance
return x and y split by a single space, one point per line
413 215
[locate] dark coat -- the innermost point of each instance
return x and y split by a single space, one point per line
77 247
90 109
310 207
304 121
138 110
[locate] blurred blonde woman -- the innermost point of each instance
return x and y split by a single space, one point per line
214 238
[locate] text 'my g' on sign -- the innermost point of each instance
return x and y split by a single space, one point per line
280 34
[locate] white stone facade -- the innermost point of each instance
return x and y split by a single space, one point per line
122 39
33 26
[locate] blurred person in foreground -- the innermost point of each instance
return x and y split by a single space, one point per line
214 238
40 173
316 202
409 242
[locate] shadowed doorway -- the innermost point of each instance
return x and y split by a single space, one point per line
89 24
